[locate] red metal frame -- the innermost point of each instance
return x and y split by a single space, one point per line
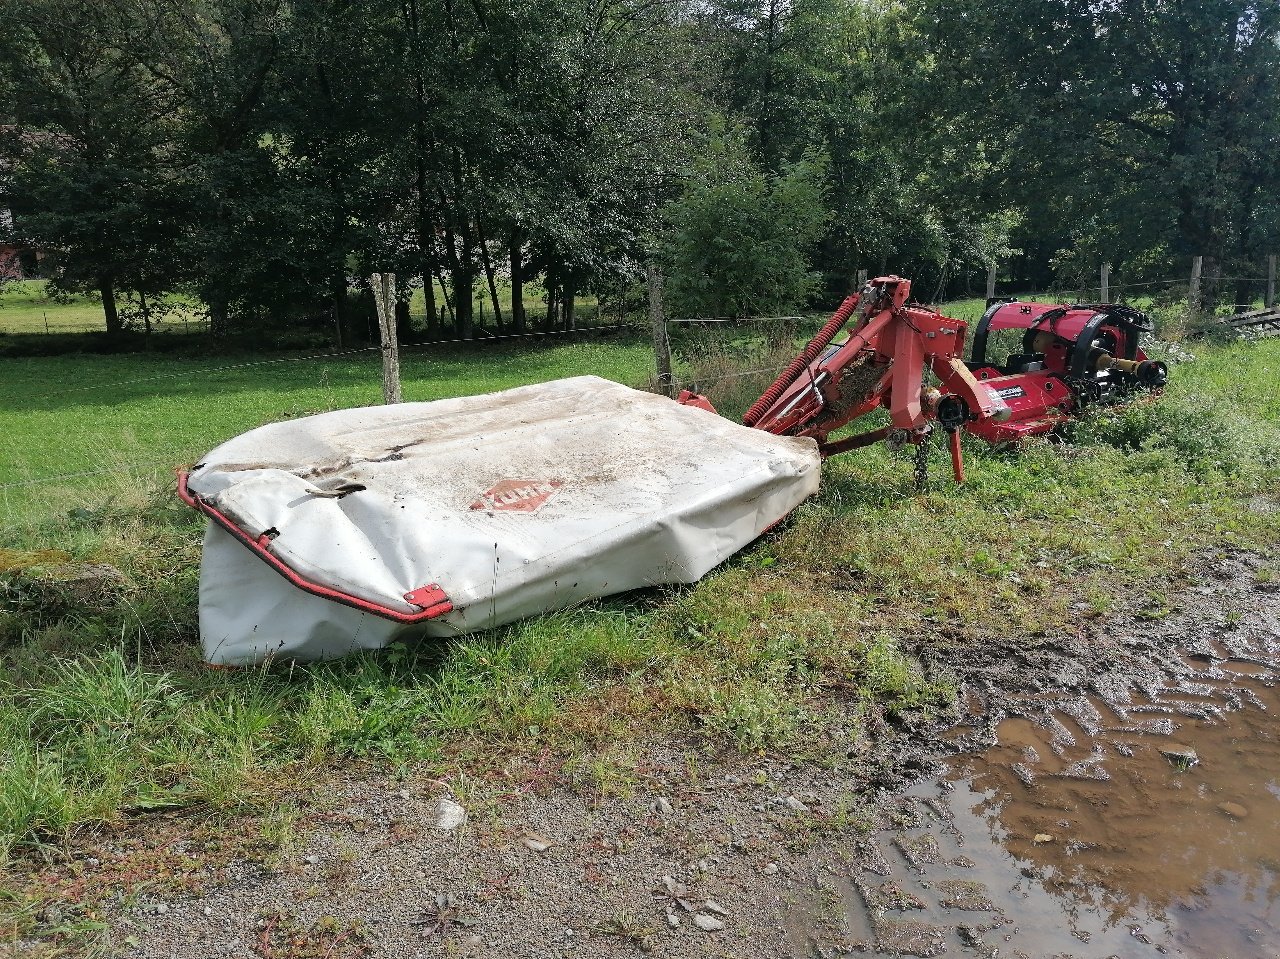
882 362
432 599
1071 356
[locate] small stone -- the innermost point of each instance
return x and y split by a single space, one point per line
93 861
969 935
450 815
1179 756
675 888
770 869
707 923
794 804
404 794
161 908
208 910
713 906
662 806
673 920
1042 837
537 842
310 860
1233 809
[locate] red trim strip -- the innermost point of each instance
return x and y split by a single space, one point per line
260 547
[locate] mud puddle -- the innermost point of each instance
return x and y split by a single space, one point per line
1131 812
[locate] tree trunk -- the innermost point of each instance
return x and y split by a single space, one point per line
448 302
567 297
404 323
338 291
426 228
145 309
517 284
548 323
464 283
218 321
429 295
1211 284
493 286
108 294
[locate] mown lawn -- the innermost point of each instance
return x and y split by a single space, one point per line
129 420
24 308
106 712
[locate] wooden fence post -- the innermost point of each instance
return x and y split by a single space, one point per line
658 327
1193 300
384 296
991 280
1271 281
1104 280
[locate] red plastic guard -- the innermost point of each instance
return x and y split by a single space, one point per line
431 598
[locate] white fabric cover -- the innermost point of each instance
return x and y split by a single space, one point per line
594 488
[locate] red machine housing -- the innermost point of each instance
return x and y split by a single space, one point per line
1067 358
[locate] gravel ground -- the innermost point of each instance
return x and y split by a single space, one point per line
711 867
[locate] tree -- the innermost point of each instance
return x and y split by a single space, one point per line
93 184
739 239
1157 119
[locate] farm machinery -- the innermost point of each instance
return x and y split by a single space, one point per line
1068 358
354 528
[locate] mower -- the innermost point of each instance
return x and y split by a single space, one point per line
1069 358
353 529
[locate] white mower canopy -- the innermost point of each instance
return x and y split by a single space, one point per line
351 529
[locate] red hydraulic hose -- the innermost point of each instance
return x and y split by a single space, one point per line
807 356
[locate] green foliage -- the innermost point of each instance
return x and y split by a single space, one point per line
751 714
1143 172
738 239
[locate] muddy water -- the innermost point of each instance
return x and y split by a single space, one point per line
1134 812
1143 856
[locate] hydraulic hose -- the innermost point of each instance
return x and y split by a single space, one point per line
807 355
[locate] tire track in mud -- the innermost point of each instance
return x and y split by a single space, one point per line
1114 794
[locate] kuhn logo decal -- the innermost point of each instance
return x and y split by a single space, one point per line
517 496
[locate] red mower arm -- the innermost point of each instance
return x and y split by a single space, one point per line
882 362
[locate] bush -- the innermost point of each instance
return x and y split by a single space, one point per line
1198 431
739 238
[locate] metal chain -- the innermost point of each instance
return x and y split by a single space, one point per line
922 462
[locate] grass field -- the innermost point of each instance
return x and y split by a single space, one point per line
106 713
24 308
140 416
